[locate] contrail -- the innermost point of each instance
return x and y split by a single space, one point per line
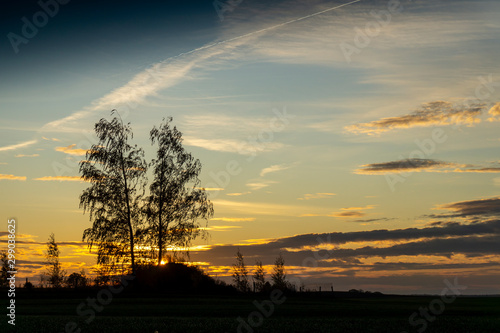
263 30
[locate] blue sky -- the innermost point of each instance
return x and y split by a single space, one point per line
369 115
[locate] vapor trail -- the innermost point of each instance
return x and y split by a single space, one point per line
263 30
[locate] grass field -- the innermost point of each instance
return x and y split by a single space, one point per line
298 313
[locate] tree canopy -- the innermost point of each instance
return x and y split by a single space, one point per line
176 201
131 221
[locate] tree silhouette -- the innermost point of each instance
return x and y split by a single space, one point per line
4 270
279 275
175 201
240 273
259 276
116 171
77 280
55 273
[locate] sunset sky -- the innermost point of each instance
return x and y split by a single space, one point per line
359 139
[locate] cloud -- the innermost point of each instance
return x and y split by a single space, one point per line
359 208
19 145
273 168
421 164
234 219
485 207
237 194
260 208
260 184
309 196
407 165
438 113
61 178
151 81
70 150
494 112
211 188
222 227
468 239
12 177
348 214
22 155
49 139
232 146
375 220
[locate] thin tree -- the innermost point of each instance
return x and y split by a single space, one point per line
259 276
279 275
240 273
116 171
176 201
4 270
55 273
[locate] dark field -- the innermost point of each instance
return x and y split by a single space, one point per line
298 313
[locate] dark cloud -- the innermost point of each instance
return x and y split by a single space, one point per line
430 114
410 164
375 220
353 213
471 246
421 164
484 207
469 239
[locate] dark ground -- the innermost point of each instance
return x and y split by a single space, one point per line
56 311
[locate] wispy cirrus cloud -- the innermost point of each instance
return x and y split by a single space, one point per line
211 189
11 177
222 227
259 184
230 133
310 196
237 194
274 168
422 165
348 212
234 219
23 155
61 178
258 208
232 146
18 145
71 150
438 113
151 81
50 139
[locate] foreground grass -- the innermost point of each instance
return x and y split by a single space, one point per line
203 324
219 314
